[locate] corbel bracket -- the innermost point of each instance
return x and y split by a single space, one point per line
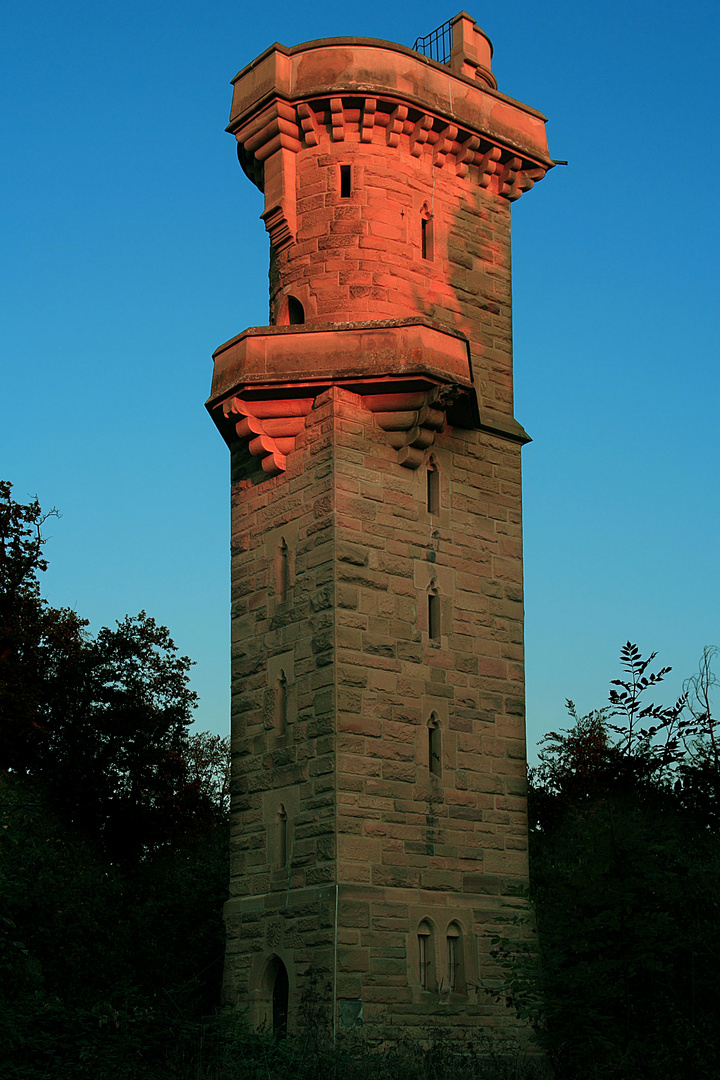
270 427
271 141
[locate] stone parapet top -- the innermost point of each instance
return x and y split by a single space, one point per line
367 67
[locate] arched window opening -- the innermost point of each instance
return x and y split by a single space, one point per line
282 574
425 954
426 234
434 746
433 487
280 996
282 837
454 957
345 181
280 717
434 616
296 312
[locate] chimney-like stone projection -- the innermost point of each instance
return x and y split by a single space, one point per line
378 736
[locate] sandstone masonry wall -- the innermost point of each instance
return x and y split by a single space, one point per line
379 818
360 257
365 812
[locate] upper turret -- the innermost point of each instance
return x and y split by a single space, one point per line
388 178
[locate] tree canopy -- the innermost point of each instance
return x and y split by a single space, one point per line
113 845
101 723
625 882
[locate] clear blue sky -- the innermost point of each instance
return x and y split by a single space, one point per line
132 248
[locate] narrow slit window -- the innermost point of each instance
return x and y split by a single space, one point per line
426 236
433 488
282 827
282 572
281 704
434 747
434 616
345 181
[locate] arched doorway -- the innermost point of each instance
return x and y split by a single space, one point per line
280 1000
296 312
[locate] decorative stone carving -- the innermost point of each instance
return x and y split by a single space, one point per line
282 128
274 933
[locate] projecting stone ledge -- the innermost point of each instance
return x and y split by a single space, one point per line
339 354
413 374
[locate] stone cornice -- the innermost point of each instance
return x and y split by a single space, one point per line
414 376
497 164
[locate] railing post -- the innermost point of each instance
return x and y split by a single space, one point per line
471 52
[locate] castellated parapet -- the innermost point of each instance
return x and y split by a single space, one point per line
379 819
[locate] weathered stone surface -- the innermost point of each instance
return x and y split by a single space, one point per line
377 687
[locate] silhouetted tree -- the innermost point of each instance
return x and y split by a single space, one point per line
113 837
101 723
625 871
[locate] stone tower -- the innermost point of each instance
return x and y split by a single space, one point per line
378 738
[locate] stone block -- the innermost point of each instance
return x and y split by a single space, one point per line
355 913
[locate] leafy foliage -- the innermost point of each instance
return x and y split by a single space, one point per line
113 837
113 871
101 724
236 1053
625 882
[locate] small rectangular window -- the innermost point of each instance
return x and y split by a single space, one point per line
345 181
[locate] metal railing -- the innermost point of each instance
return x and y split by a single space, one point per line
437 44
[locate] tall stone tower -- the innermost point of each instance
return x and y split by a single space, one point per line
378 740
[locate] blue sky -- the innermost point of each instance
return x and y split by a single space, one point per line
132 248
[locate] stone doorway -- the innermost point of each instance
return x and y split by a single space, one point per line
280 1000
